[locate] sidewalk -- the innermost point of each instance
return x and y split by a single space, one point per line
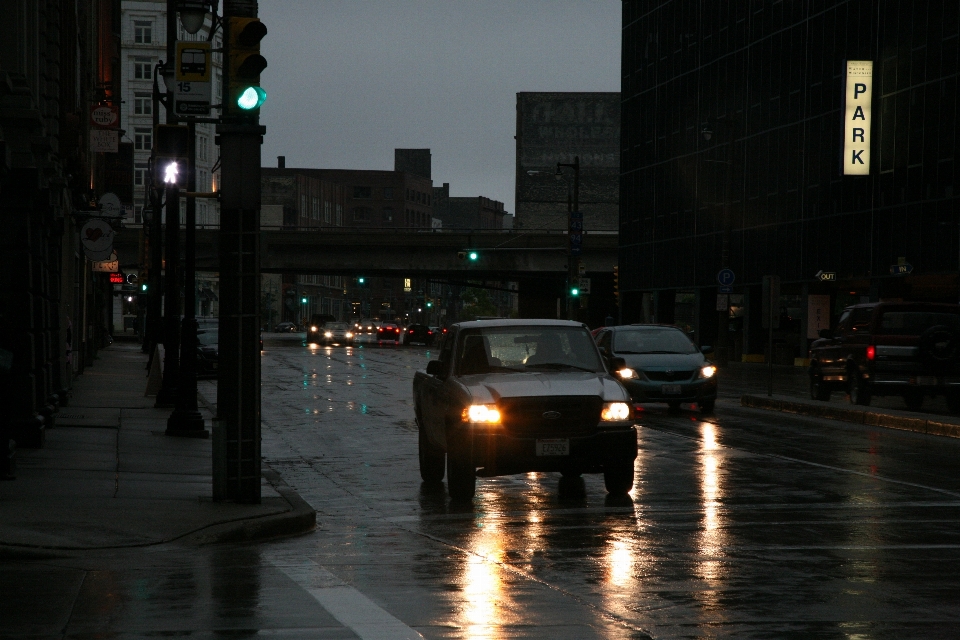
108 476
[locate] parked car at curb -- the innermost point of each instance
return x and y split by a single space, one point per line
285 327
910 349
514 396
662 364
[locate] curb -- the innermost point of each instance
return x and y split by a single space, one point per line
300 519
857 416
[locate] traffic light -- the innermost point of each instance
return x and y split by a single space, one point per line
472 256
244 94
429 303
144 287
574 292
303 300
172 155
361 280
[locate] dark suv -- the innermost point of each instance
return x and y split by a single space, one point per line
910 349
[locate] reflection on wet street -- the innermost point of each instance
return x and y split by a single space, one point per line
741 525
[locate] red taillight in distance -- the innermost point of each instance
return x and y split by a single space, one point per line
871 352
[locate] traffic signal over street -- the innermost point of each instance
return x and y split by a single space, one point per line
244 93
173 153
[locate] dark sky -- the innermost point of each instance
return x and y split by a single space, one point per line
350 80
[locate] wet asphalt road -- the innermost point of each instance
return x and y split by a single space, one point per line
745 524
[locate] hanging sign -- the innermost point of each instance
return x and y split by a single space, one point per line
856 118
96 236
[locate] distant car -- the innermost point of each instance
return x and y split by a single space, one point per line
388 332
336 333
418 334
208 353
285 327
662 365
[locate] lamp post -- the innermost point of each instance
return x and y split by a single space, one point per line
722 348
574 234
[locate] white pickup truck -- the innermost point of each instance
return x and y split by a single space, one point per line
514 396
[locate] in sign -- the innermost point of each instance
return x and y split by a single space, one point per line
856 118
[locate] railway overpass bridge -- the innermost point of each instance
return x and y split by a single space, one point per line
537 260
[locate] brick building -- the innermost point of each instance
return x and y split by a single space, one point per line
455 212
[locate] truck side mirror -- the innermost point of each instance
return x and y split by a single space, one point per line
435 368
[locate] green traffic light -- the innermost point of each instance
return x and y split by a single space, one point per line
429 304
143 287
473 255
574 292
361 280
251 98
303 301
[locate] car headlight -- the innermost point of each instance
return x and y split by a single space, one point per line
313 328
481 414
327 334
348 334
708 371
615 412
627 373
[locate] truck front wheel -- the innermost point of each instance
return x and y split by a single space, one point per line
618 476
461 473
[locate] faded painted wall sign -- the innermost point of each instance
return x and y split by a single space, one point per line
856 118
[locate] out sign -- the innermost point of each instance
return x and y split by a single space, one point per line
856 118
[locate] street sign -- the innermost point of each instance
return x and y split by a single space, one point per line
584 286
105 116
726 289
576 233
96 236
192 87
826 276
904 269
726 277
723 302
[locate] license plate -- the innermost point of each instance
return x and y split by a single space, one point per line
553 447
927 381
670 389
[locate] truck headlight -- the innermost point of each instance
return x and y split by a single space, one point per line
327 334
707 371
313 329
627 373
481 414
615 412
348 334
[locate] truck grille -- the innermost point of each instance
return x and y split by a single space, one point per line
537 416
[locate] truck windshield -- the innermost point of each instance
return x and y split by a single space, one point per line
913 323
533 348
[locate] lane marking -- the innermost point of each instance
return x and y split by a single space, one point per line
350 607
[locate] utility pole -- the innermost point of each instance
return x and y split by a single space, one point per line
575 235
167 395
237 436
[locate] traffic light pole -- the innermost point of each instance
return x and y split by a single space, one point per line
186 421
237 434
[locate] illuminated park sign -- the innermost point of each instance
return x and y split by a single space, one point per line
856 118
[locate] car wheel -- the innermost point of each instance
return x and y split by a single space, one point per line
674 407
818 390
706 406
859 388
618 476
461 474
431 459
913 400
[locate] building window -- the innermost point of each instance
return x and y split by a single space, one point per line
387 214
142 139
202 144
362 192
339 215
327 213
142 31
388 193
142 69
304 212
140 174
315 209
361 214
142 104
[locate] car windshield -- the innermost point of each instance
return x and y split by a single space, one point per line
207 338
652 340
336 326
530 348
913 323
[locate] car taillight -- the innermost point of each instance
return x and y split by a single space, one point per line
398 330
871 352
429 333
411 331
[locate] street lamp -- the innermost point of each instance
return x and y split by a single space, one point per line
574 234
193 13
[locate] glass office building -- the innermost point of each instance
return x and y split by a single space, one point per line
737 125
